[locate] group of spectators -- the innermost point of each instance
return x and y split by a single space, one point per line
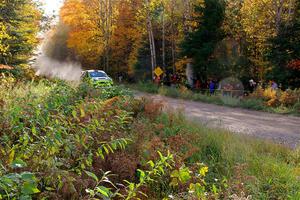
212 85
272 84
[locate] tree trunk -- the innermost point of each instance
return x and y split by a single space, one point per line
151 39
173 42
278 18
187 16
163 39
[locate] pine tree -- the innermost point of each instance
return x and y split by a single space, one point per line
20 23
201 43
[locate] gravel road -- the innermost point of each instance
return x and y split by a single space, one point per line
281 129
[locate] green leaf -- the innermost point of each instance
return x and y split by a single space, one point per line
214 189
11 156
151 163
105 149
92 175
27 176
82 113
25 197
103 190
175 174
184 175
33 130
29 188
131 186
160 155
18 163
74 114
141 175
49 188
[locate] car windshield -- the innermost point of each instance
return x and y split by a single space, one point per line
97 74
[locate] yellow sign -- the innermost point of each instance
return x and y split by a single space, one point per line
158 71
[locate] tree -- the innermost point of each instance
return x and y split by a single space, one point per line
285 52
4 36
20 24
201 43
91 24
126 38
260 22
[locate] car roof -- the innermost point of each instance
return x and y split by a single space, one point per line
94 71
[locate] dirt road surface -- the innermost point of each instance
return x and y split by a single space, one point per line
281 129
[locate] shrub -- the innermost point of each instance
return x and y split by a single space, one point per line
230 101
252 103
169 91
69 127
289 97
148 87
185 93
296 107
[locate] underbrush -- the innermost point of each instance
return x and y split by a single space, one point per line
268 100
241 166
59 141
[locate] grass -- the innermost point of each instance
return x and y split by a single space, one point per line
218 99
261 169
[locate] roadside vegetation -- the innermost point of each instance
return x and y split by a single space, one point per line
269 100
67 140
60 141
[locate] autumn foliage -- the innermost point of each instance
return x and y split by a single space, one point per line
295 64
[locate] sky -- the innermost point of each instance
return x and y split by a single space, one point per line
51 6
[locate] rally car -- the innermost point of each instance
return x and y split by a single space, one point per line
97 78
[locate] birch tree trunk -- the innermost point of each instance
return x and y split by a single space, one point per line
187 28
151 38
163 38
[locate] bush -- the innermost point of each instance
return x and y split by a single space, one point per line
59 141
277 98
169 91
69 127
252 103
148 87
296 107
289 97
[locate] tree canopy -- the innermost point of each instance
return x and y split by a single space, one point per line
19 26
250 39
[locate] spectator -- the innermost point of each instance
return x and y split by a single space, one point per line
211 87
157 80
252 85
198 84
274 85
120 77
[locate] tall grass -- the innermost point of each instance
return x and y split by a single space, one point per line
260 168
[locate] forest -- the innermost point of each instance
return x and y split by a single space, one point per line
63 138
247 39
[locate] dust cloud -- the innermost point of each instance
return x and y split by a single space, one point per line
55 59
66 70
